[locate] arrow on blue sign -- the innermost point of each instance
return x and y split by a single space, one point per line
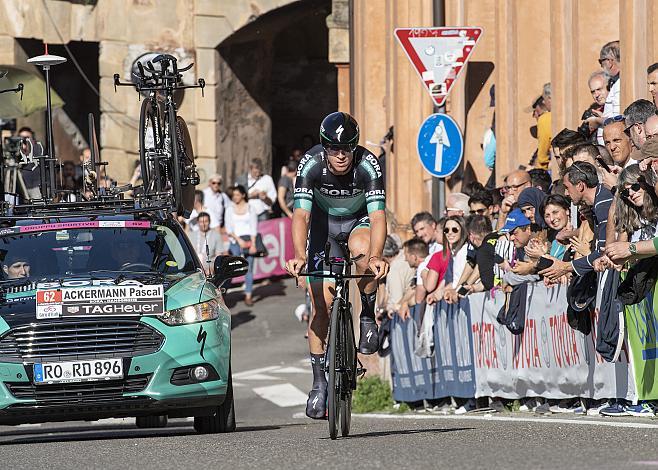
440 145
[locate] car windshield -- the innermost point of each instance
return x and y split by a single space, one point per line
50 253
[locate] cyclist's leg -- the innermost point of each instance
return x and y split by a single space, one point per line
359 243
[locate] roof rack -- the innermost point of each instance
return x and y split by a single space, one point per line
90 199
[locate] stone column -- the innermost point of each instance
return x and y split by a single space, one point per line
339 51
637 49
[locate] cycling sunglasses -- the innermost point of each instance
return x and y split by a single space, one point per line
335 148
452 229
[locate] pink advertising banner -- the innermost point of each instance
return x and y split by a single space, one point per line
277 237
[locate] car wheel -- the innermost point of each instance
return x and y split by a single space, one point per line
224 418
159 421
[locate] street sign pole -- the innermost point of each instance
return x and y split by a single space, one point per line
439 184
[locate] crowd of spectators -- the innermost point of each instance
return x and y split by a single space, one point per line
593 215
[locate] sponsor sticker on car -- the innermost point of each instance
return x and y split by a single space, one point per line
86 301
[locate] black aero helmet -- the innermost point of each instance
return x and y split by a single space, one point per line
340 131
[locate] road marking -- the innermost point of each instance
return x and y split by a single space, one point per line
283 395
291 370
239 375
259 377
587 422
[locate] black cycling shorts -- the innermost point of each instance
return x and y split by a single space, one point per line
327 228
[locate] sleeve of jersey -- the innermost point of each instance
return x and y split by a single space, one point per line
374 188
303 196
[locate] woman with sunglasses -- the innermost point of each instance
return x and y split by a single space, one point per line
636 209
455 237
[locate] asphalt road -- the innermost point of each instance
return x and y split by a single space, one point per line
271 378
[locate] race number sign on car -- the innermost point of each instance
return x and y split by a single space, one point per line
122 299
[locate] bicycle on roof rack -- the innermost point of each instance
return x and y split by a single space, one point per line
165 148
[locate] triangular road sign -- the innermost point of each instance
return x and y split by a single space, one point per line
438 55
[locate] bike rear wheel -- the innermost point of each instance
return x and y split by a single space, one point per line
174 164
348 381
186 165
150 141
334 387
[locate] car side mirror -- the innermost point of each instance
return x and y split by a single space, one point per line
228 267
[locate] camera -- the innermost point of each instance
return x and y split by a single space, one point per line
21 149
11 147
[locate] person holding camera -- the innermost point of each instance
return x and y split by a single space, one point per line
592 125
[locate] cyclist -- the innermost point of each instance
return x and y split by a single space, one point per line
338 190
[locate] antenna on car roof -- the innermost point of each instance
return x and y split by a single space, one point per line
48 160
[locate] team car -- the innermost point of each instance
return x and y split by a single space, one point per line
112 316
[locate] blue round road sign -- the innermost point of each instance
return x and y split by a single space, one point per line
440 145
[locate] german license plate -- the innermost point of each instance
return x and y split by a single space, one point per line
78 371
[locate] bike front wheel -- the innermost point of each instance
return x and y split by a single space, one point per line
173 164
150 141
333 362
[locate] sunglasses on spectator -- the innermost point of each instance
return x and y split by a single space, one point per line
626 192
610 120
479 211
447 230
215 182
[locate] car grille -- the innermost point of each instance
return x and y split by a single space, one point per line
78 340
71 393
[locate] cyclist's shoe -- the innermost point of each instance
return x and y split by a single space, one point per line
369 341
316 405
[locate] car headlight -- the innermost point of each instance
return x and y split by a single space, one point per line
192 313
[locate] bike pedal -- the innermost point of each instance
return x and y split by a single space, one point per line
361 371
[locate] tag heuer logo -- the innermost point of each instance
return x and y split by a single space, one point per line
73 309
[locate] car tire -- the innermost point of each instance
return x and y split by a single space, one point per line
224 418
158 421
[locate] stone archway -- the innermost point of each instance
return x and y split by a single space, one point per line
274 84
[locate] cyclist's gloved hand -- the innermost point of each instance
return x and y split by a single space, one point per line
294 266
378 266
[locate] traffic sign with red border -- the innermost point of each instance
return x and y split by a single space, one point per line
439 55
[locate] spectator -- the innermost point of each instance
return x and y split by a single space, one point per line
192 224
517 181
544 130
481 203
457 205
617 142
610 61
216 202
652 81
207 243
635 116
530 201
540 179
31 176
415 253
517 226
425 228
455 236
593 116
592 154
287 188
556 210
399 278
582 184
483 240
651 127
636 210
434 282
261 189
563 141
242 227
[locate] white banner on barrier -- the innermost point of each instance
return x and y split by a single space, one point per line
549 359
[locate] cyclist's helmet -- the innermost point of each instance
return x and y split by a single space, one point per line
339 131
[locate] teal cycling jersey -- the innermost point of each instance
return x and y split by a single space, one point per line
359 191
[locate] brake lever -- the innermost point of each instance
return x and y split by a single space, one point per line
202 84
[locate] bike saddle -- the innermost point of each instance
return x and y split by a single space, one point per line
164 57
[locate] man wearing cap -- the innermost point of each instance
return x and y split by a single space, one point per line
517 227
216 201
16 266
582 184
